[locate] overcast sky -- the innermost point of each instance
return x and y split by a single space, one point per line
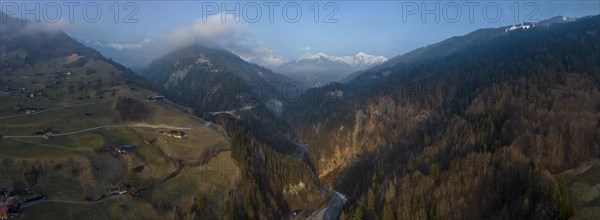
386 28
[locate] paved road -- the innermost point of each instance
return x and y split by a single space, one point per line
232 112
51 109
143 125
300 151
332 209
42 201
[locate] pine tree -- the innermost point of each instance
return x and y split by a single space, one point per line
228 211
358 214
201 204
371 200
434 172
388 213
426 139
344 216
525 207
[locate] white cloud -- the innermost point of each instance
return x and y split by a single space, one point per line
268 61
32 27
129 46
230 35
212 30
255 52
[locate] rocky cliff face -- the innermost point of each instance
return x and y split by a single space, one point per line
366 130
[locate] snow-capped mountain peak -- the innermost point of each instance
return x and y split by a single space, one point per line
361 54
359 61
365 60
315 56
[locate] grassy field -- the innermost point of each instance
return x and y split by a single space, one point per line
80 166
116 209
584 189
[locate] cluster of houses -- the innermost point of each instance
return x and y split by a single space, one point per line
115 149
174 133
59 75
122 189
155 98
12 92
5 93
55 84
11 200
10 206
28 110
122 149
37 93
46 133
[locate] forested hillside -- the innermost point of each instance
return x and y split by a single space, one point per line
245 99
273 184
480 133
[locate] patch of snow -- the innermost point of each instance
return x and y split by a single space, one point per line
523 27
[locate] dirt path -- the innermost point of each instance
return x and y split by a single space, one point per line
48 145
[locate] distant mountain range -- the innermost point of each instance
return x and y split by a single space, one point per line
318 69
358 61
309 71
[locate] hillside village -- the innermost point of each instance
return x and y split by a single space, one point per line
12 199
86 102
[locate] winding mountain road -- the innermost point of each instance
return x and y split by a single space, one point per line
333 207
232 112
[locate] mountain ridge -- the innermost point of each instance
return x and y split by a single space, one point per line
450 45
215 79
